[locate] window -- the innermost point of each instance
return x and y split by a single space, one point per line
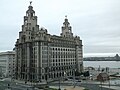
33 28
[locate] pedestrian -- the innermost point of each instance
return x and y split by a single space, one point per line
8 85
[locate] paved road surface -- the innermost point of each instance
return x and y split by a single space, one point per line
18 86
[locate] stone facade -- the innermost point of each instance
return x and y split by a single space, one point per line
41 56
7 64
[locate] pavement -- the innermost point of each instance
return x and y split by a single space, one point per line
91 85
72 88
68 87
112 87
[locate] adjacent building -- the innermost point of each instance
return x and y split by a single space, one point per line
40 55
7 64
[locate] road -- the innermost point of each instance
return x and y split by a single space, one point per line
86 84
14 86
90 86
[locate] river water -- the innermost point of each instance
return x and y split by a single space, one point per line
102 64
114 66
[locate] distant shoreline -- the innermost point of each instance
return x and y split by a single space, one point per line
102 60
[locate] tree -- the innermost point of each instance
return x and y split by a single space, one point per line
86 74
77 73
1 74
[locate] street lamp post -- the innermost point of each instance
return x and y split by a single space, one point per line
74 75
46 74
59 84
40 74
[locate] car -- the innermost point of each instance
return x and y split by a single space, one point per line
79 81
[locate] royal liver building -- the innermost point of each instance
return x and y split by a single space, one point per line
40 55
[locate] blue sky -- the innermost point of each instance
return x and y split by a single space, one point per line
97 22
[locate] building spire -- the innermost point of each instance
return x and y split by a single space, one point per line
66 29
30 12
30 3
65 16
66 23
